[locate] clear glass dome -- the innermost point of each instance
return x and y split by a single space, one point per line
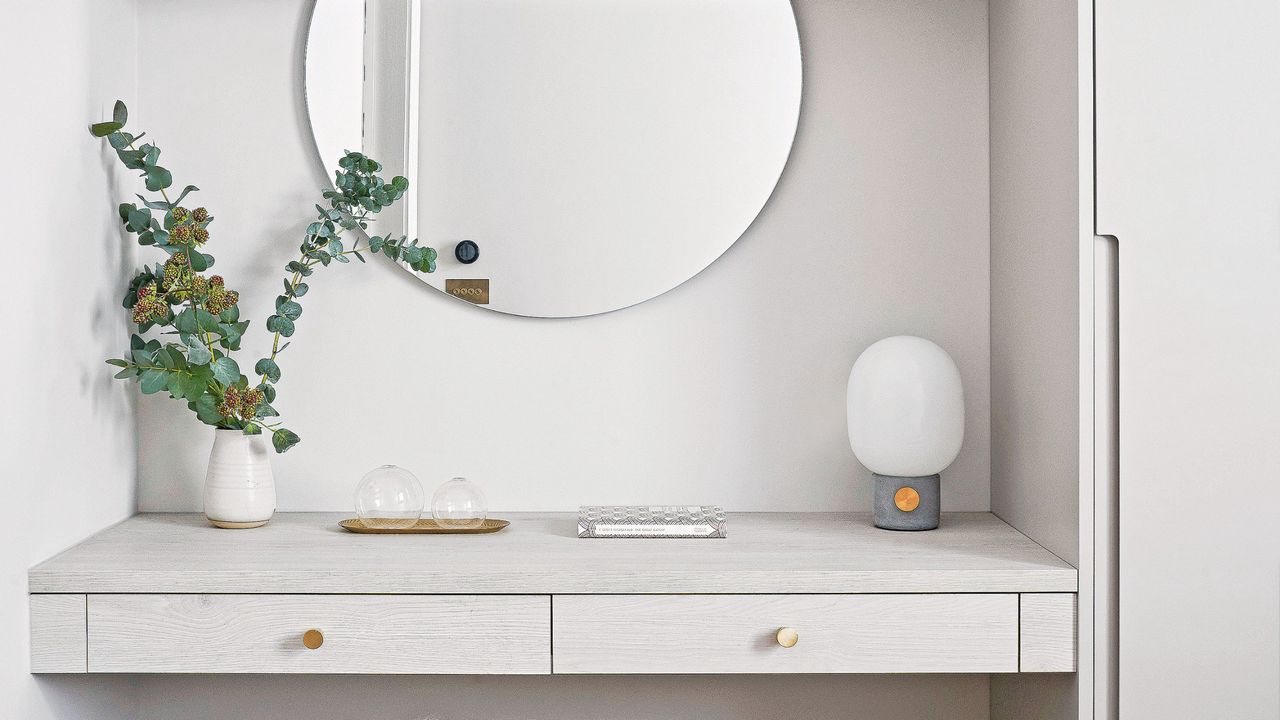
389 497
459 504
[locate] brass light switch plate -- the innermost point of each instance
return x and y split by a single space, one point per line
473 291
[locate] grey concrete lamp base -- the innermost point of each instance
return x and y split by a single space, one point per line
908 503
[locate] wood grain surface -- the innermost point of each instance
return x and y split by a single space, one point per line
440 635
738 633
540 554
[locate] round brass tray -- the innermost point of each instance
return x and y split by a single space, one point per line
491 525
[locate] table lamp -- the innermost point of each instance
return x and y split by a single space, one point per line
906 425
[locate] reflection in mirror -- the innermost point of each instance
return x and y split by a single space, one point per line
595 154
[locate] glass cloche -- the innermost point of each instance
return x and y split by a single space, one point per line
389 497
459 504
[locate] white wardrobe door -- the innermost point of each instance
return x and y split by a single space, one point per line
1188 141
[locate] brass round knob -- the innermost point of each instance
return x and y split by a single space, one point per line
907 499
312 639
788 637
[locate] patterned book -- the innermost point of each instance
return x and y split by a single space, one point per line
651 521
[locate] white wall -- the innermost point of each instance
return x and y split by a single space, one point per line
1035 272
68 441
565 697
729 389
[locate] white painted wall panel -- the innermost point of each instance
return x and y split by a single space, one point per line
67 446
1188 103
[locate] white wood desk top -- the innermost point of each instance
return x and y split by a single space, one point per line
540 553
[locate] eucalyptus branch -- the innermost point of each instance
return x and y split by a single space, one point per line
179 299
200 369
359 193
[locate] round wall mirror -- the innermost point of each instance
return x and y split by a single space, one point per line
565 157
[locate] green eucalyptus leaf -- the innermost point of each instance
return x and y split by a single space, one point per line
153 381
230 315
120 140
185 191
125 373
289 309
104 129
175 384
207 321
269 391
157 177
193 386
225 370
165 356
198 354
202 373
252 429
154 204
300 289
284 439
120 113
280 324
132 159
206 407
186 322
138 220
199 261
118 363
268 368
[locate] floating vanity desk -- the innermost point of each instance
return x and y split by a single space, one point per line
168 593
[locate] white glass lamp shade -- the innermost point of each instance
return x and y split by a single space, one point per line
906 407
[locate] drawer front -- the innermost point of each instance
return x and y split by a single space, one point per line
441 634
739 633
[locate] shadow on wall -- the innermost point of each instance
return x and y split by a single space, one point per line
564 697
89 697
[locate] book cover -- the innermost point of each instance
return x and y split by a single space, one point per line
651 521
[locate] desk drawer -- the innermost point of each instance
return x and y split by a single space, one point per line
442 634
971 633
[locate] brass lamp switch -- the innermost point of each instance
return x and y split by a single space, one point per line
907 499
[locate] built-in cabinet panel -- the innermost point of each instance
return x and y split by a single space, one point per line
1047 632
1041 313
1188 148
786 633
58 633
383 634
585 634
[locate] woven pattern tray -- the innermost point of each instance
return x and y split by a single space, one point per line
424 526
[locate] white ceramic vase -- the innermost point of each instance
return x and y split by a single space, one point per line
239 491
